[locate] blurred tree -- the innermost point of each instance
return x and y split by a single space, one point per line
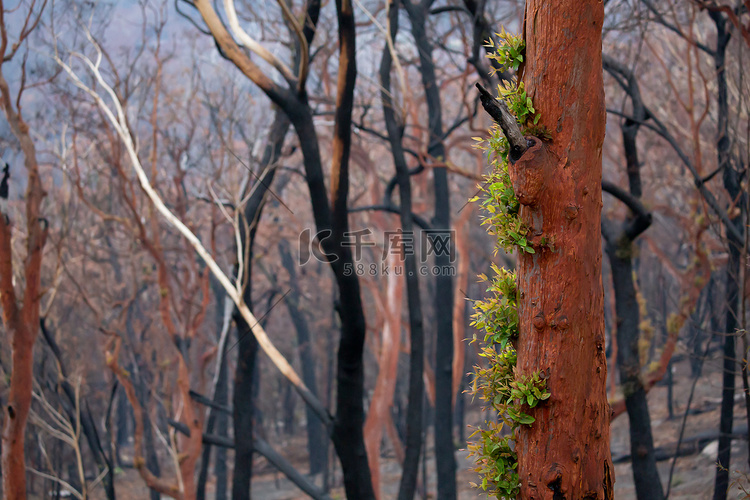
20 310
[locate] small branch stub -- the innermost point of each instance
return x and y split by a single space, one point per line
499 111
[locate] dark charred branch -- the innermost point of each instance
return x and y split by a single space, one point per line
641 219
393 182
449 8
711 200
689 446
264 449
200 398
393 209
499 112
659 18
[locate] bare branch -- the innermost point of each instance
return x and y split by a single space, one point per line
116 116
250 44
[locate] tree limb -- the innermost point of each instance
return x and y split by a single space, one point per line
499 112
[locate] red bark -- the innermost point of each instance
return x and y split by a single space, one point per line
20 312
565 453
385 385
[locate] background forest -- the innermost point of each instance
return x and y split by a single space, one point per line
238 257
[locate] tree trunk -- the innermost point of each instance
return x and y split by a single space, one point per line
731 178
348 425
16 415
317 439
415 406
442 244
565 452
244 404
330 219
20 313
726 418
123 417
217 419
222 430
621 249
645 475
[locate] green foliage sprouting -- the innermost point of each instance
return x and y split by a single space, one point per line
509 52
497 383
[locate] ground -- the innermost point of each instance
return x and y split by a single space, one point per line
693 476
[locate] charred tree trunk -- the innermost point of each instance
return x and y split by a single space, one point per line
222 430
565 452
729 373
348 425
330 219
244 404
442 244
415 407
646 476
152 459
123 416
247 346
217 420
317 439
620 248
732 184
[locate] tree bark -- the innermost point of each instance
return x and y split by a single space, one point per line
565 452
20 313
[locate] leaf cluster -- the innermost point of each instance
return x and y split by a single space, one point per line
519 103
510 395
500 205
508 53
497 383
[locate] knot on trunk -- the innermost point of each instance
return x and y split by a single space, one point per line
530 174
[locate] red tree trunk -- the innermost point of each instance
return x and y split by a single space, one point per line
565 453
